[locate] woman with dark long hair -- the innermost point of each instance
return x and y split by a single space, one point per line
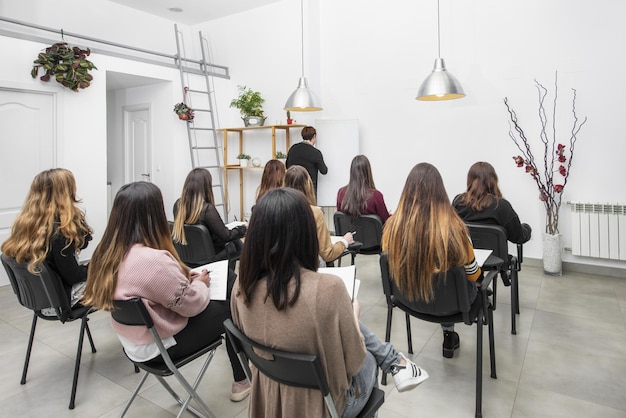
359 196
279 300
52 229
197 206
136 258
425 236
273 177
483 203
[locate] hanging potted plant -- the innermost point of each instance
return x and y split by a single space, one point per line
184 112
68 65
552 172
250 105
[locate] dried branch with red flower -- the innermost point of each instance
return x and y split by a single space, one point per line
554 154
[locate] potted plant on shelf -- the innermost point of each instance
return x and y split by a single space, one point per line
280 156
250 105
184 112
289 120
243 159
68 65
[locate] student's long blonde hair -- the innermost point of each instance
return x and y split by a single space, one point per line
424 235
197 191
50 207
296 177
137 217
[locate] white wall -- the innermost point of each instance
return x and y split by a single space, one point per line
366 61
373 56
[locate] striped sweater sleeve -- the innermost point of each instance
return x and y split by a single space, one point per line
472 269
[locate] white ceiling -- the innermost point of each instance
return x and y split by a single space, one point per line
194 11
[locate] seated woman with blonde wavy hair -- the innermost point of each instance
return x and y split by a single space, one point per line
52 229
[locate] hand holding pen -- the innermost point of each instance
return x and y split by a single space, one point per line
349 237
203 276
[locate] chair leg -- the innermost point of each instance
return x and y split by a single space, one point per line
383 379
134 394
79 351
29 348
492 343
479 365
93 347
494 288
514 300
408 332
194 394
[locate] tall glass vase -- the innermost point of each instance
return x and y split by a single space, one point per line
552 263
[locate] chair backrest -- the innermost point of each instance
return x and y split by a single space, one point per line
369 230
199 249
37 291
450 296
490 237
132 312
300 370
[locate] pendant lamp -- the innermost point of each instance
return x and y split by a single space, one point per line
302 99
440 84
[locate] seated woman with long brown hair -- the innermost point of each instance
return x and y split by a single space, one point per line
425 236
136 258
298 178
52 229
273 177
483 203
359 196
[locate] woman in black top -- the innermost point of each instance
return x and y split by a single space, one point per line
197 206
483 203
52 229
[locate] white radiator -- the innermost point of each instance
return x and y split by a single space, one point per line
599 230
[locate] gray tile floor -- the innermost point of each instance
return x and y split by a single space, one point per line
567 360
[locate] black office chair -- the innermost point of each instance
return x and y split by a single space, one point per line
450 304
133 312
45 291
493 237
301 370
199 249
368 228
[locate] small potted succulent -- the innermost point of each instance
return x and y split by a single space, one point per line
289 120
243 159
184 112
280 156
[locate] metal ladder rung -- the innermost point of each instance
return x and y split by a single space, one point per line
198 91
199 159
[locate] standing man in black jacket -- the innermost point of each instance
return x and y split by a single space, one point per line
305 154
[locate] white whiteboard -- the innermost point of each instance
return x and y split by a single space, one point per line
338 140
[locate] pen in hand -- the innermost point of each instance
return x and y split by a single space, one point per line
353 233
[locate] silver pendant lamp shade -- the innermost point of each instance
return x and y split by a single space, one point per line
440 84
302 99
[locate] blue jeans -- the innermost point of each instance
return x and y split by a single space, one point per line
379 355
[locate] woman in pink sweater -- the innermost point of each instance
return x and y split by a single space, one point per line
136 258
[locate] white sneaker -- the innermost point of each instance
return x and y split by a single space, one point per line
408 376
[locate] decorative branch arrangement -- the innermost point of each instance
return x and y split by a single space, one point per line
68 65
554 153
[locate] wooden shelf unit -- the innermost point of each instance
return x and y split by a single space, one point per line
240 136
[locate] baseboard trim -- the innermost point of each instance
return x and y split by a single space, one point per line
581 268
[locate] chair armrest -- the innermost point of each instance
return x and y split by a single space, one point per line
487 279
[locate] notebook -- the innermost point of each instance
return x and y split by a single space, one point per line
218 272
348 275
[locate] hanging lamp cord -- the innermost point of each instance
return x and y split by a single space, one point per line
302 34
438 33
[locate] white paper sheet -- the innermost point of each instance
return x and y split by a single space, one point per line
218 272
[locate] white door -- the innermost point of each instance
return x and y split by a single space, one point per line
27 147
137 144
